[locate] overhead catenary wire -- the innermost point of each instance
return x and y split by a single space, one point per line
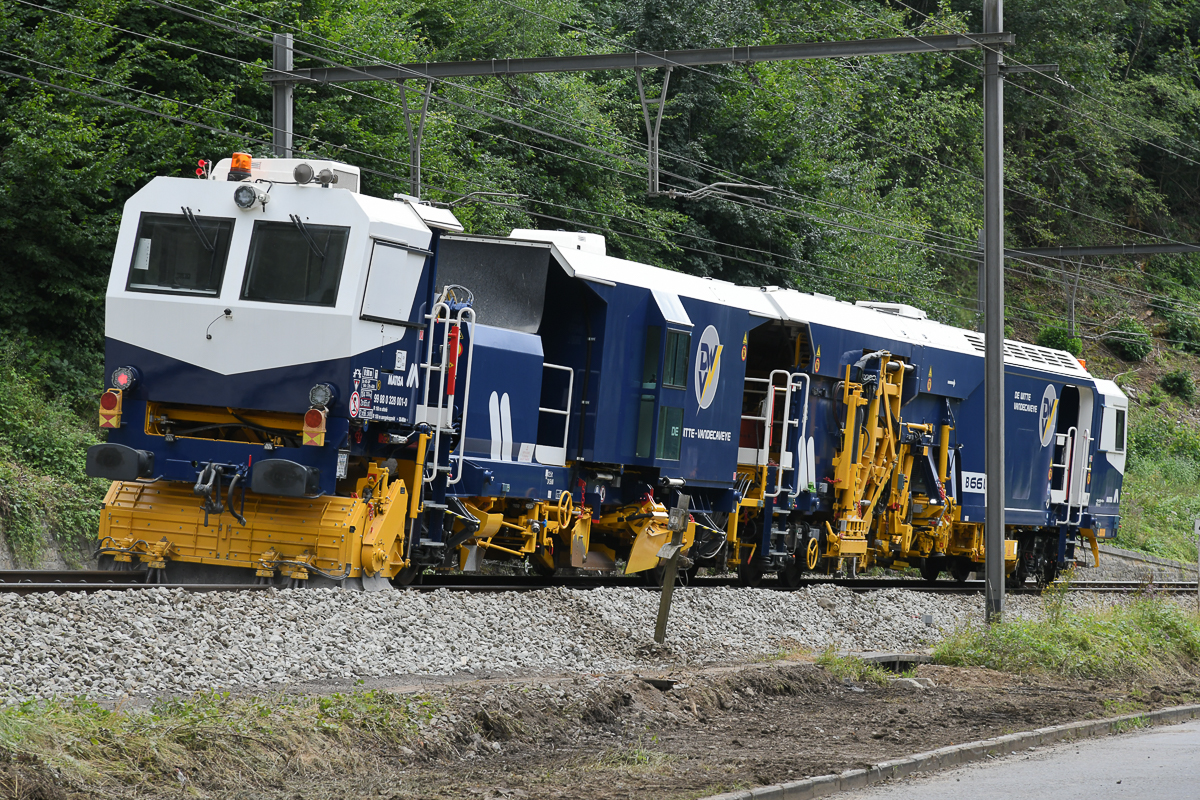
341 48
214 129
892 145
919 244
1065 84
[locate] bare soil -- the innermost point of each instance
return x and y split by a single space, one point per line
609 737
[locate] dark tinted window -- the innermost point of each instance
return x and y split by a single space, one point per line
675 368
180 254
295 263
650 357
670 432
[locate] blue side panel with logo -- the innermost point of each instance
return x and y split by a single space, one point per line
669 393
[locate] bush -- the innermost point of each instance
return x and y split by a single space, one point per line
1129 340
1057 338
1179 383
1122 642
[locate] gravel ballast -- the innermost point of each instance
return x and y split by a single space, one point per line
154 641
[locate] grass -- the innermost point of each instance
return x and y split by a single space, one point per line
1131 640
853 668
224 741
1159 504
44 494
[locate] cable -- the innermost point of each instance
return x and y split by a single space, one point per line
922 157
490 202
624 140
750 203
1060 82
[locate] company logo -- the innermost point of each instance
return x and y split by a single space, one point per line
1047 414
708 366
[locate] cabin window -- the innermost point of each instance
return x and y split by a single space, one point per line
1119 432
670 432
675 365
180 254
295 262
392 282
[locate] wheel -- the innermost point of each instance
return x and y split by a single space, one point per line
812 553
931 568
654 576
564 508
791 575
961 569
1047 575
1017 579
542 569
406 576
750 575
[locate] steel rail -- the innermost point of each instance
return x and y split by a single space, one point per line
62 581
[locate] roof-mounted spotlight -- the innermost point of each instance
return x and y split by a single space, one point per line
326 177
246 195
303 173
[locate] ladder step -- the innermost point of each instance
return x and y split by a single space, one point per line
437 506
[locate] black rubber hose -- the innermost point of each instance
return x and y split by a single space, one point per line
232 486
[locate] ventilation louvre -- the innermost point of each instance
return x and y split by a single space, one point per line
1030 354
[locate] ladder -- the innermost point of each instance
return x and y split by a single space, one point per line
789 461
445 375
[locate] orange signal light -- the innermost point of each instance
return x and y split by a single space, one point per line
241 162
314 428
110 408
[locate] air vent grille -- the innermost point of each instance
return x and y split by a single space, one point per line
1030 353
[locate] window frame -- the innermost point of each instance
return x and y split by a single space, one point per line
261 224
671 358
665 439
146 288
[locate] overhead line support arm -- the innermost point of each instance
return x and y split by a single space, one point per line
434 70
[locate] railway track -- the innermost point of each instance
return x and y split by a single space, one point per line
23 582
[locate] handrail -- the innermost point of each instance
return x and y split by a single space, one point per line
787 389
469 322
1073 479
465 318
801 444
567 411
1068 460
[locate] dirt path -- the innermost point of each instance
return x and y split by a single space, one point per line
604 738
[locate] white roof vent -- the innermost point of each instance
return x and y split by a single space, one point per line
564 240
896 309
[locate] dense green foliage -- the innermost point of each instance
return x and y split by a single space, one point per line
867 170
42 445
1129 340
1125 641
1059 338
1178 382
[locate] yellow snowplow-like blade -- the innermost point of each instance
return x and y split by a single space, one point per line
644 553
325 531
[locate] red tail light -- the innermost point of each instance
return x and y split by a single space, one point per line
109 401
313 418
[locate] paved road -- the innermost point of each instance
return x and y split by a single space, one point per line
1157 764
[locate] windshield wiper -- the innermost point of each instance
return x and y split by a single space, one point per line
312 244
187 212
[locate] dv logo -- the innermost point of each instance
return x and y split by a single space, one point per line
708 366
1047 414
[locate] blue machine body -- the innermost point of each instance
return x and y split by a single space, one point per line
578 371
